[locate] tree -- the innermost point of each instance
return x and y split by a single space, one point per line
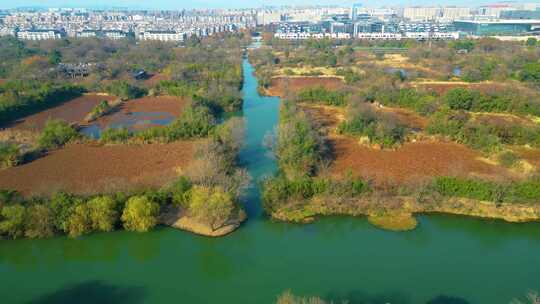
531 72
79 222
460 99
211 206
10 155
13 223
531 41
39 222
103 214
62 205
55 57
56 134
140 214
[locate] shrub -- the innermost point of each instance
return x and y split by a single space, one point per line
62 205
524 192
508 159
212 206
13 221
125 90
530 72
180 192
474 189
99 110
39 222
102 213
323 95
79 222
299 147
461 99
115 135
195 121
56 134
379 129
140 214
10 155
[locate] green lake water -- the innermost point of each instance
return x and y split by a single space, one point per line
446 259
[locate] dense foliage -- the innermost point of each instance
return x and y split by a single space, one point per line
380 129
323 95
10 155
299 147
514 192
56 133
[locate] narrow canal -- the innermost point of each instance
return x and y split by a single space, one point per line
445 260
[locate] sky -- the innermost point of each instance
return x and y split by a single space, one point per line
188 4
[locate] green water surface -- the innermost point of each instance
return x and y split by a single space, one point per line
445 260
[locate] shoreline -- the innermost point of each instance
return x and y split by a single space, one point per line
177 218
402 216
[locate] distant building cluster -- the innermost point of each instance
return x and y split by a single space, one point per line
144 25
422 23
292 23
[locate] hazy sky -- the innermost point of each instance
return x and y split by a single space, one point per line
178 4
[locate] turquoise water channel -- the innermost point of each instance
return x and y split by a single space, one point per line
445 260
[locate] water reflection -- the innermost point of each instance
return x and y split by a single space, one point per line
92 292
363 297
133 121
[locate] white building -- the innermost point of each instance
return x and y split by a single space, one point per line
453 13
86 34
432 35
379 36
115 34
162 36
4 31
39 34
304 36
421 13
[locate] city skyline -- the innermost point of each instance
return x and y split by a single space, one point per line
193 4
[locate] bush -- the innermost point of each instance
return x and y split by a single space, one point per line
115 135
212 206
508 159
195 122
524 192
379 129
461 99
473 189
62 205
13 221
516 192
10 155
323 95
180 192
39 222
79 222
279 190
102 213
99 110
56 134
140 214
530 72
299 147
125 90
